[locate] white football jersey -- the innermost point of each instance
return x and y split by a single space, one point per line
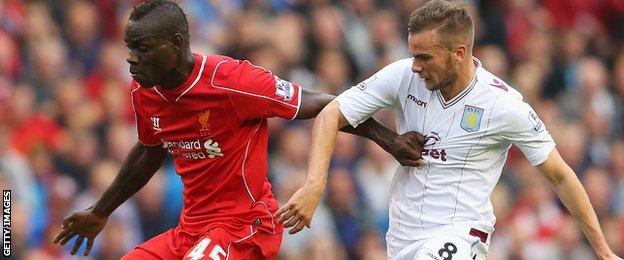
467 139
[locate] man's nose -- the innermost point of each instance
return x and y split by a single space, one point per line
416 68
132 58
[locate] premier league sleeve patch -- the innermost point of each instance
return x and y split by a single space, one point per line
284 89
537 125
471 119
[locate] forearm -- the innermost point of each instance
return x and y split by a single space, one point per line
373 130
574 197
138 168
324 133
313 102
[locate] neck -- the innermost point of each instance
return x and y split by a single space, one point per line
464 77
180 72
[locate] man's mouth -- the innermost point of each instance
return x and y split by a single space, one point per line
134 73
135 76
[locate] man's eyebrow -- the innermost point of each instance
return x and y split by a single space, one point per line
422 55
136 39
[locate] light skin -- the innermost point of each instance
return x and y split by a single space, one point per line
437 67
449 71
167 61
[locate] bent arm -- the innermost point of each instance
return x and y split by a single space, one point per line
312 102
573 195
138 168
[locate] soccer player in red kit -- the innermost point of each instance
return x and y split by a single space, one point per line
210 113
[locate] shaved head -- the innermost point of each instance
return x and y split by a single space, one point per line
166 17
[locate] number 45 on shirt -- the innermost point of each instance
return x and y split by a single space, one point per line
198 251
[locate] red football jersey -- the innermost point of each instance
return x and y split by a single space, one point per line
215 127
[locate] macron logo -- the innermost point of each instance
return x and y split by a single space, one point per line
156 123
416 100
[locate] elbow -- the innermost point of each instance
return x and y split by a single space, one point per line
556 179
560 176
329 115
312 103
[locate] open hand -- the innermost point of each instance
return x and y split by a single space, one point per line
407 149
84 224
297 213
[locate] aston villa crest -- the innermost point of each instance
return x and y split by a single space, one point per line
471 119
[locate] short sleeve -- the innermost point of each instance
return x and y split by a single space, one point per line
524 129
255 92
361 101
145 131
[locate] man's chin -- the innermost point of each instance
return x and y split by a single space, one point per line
431 87
145 84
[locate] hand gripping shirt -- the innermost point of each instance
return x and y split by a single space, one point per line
467 139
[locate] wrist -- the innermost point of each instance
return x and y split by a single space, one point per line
603 251
385 139
99 211
608 254
316 185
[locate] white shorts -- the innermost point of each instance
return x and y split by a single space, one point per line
446 245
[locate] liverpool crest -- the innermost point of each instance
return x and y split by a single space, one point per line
203 121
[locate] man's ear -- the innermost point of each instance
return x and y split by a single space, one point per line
460 53
176 41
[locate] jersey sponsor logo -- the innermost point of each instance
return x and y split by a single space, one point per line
203 121
194 149
156 123
416 100
212 149
362 85
537 124
471 119
284 89
435 153
431 139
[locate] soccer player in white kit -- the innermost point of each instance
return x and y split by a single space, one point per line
470 118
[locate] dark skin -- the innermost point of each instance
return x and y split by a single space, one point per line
168 62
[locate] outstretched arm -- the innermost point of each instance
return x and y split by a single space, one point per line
573 195
138 168
405 148
301 206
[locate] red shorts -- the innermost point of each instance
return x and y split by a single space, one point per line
216 243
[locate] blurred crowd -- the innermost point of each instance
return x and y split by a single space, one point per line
66 122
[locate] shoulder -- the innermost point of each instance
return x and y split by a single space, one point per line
215 64
401 66
389 77
508 102
494 87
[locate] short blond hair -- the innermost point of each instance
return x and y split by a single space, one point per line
450 20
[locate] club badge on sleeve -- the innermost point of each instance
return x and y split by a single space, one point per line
471 119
